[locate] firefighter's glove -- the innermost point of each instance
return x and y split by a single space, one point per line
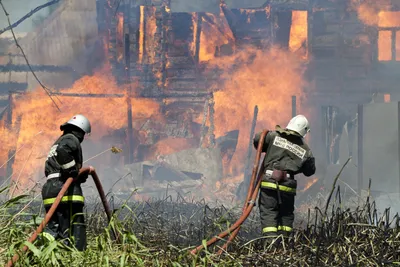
82 177
278 175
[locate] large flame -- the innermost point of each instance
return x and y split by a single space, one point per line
298 32
39 115
268 79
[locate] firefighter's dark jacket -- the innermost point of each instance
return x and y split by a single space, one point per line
286 151
64 160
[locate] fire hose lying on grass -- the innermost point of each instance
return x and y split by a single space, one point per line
252 193
90 171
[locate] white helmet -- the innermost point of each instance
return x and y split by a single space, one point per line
299 124
79 121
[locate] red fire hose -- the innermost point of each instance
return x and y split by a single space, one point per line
248 205
90 171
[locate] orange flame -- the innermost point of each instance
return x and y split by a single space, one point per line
298 31
141 34
385 45
388 19
265 78
309 183
39 114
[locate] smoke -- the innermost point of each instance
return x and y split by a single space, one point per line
211 6
19 8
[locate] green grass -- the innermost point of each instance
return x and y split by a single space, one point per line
161 233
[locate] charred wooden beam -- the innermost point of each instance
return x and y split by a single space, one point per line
398 125
310 22
88 95
10 126
230 18
394 44
203 125
217 26
389 28
130 159
166 31
10 86
198 33
211 119
11 152
9 111
25 68
360 150
247 171
294 106
4 112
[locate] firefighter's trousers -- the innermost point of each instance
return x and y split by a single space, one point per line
276 219
68 221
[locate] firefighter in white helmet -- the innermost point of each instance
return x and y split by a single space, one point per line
287 154
64 161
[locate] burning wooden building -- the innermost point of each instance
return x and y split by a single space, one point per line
191 72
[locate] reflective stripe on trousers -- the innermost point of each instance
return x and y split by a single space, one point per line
73 198
281 187
276 229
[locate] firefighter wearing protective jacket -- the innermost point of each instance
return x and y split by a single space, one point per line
63 161
287 154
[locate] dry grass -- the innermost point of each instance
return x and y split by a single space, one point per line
161 233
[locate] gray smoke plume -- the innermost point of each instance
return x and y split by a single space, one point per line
18 8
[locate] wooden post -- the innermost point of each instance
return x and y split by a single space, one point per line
197 33
398 140
9 127
211 134
360 151
129 160
247 170
394 45
127 56
166 28
16 128
294 106
203 125
309 28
